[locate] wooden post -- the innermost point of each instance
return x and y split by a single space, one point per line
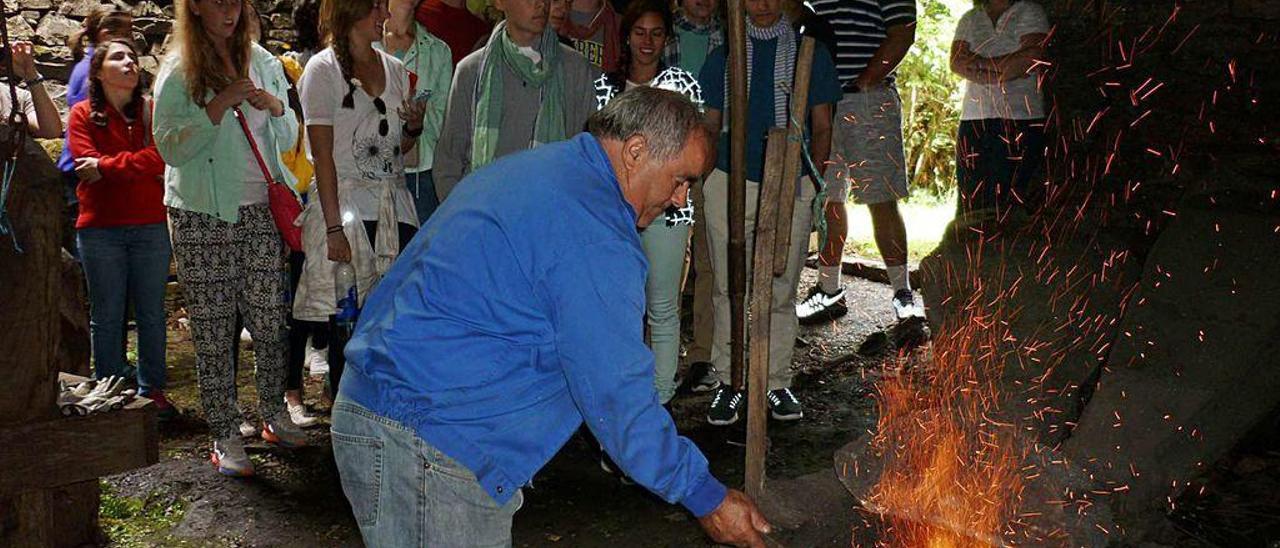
49 489
737 191
768 224
791 169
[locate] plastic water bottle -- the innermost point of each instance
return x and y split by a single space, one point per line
344 288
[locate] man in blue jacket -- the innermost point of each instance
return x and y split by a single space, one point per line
513 317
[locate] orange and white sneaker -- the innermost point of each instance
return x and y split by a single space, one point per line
229 458
281 431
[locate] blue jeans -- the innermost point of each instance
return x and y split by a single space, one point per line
130 261
404 492
423 188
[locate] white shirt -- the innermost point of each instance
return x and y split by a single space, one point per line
1017 99
255 183
360 152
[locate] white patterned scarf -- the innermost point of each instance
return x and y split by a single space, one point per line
784 65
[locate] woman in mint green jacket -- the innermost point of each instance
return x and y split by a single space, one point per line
228 252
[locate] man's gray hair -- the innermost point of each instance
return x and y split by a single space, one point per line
664 118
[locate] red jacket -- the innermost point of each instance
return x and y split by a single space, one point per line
131 190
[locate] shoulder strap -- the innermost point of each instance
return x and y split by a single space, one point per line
253 145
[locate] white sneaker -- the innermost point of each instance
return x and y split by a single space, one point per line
904 305
229 458
247 429
298 413
317 361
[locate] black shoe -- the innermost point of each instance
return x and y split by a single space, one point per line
784 406
821 307
700 378
724 406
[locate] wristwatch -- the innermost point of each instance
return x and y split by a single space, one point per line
39 79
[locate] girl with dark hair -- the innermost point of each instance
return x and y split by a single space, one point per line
998 49
99 27
359 210
120 229
217 97
644 30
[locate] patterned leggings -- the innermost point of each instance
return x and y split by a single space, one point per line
225 267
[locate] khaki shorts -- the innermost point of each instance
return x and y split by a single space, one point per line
867 159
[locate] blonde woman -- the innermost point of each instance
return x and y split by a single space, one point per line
361 120
228 252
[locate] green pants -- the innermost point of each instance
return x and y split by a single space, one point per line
664 247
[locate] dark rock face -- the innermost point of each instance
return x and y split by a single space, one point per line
1135 343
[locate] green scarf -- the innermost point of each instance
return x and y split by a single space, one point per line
546 76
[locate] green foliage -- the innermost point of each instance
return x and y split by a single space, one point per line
130 521
931 96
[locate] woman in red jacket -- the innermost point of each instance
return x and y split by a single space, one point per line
121 229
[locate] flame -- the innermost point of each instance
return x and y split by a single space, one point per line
951 474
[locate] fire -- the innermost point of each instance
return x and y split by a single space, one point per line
951 475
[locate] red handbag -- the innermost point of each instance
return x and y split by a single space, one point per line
285 207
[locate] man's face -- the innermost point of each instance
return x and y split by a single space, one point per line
528 16
700 9
656 185
764 13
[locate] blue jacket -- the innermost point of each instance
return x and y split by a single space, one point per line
516 314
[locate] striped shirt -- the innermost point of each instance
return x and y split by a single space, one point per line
859 27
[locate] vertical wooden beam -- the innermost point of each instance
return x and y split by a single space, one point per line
768 224
737 49
791 168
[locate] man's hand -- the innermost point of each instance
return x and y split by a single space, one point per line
736 522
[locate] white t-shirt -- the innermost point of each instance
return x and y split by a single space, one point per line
25 104
1017 99
360 151
255 184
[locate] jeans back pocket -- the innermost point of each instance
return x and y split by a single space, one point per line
359 460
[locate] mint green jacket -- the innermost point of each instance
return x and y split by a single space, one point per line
206 162
430 60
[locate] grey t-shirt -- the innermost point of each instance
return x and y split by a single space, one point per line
591 48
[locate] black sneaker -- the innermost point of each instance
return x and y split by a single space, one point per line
700 378
821 307
724 406
904 305
784 406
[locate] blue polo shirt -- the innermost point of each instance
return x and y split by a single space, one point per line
824 88
515 315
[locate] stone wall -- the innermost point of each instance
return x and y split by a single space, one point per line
48 23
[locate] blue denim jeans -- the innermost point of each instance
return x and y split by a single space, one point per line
132 262
404 492
423 188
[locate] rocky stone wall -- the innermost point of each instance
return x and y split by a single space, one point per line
48 24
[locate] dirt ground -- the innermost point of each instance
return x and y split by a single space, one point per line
296 499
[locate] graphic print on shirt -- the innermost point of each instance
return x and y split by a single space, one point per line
377 156
592 50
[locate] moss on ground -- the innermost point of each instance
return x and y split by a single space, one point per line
131 521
